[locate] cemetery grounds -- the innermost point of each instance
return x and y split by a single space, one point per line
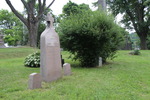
127 77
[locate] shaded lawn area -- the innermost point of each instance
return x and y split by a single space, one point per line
124 78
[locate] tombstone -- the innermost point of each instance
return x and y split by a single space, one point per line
50 53
100 62
35 81
1 41
67 69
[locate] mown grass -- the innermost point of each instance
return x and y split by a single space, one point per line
124 78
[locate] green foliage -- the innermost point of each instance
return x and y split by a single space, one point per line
11 28
135 52
126 40
135 16
12 41
70 8
41 28
7 19
95 4
90 35
73 8
135 40
33 60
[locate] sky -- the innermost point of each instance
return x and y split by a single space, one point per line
56 7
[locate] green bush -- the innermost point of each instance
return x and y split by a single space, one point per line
90 35
33 60
135 52
11 40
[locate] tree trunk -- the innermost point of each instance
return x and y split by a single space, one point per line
102 5
143 42
32 20
143 39
33 29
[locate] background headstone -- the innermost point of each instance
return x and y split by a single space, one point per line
50 53
100 61
1 41
35 81
67 69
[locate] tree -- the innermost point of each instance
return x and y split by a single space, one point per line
7 22
90 35
41 26
11 27
136 16
73 8
33 17
101 4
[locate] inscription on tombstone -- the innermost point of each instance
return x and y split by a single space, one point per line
50 53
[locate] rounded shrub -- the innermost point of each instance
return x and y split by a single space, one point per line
135 52
33 60
90 35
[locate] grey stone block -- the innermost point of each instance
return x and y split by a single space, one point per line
35 81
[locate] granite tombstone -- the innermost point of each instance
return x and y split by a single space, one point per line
50 53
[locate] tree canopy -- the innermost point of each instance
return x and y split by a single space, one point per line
8 19
33 18
11 27
136 15
101 4
73 8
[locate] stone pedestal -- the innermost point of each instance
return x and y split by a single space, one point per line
35 81
50 53
67 69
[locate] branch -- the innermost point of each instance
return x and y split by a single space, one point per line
40 6
26 5
131 17
44 3
50 5
39 3
16 12
42 12
31 4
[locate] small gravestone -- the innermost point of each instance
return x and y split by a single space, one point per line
1 41
35 81
67 69
51 68
100 62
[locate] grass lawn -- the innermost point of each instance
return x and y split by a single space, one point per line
127 77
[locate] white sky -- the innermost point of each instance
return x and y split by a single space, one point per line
56 7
